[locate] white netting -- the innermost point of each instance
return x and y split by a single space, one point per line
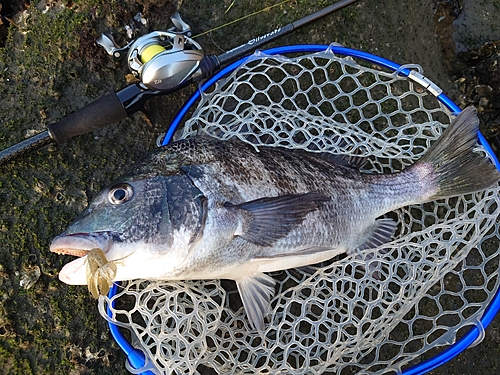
440 273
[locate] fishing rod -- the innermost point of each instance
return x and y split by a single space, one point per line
164 62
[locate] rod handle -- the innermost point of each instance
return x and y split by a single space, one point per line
95 115
100 113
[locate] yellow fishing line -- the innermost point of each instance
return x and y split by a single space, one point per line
241 18
230 6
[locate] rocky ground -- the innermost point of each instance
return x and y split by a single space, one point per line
50 66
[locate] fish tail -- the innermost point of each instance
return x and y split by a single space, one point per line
451 164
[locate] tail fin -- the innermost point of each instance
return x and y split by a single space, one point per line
455 168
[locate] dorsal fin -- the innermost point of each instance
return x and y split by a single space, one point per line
351 161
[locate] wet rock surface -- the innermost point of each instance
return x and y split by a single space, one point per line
50 66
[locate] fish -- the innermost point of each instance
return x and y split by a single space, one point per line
202 208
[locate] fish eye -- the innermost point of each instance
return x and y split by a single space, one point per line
121 193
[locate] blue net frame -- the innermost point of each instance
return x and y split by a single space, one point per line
136 357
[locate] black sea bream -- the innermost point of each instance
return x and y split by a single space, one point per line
202 208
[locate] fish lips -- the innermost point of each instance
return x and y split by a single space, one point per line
79 244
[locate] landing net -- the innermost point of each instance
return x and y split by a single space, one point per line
433 283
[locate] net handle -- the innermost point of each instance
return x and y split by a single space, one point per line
135 357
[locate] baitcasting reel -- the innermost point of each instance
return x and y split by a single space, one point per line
161 60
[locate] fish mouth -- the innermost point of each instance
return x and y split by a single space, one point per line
79 244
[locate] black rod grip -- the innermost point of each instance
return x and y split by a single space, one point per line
98 114
30 144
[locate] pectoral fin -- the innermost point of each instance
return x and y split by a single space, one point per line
256 291
266 220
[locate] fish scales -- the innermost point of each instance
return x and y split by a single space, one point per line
237 173
202 208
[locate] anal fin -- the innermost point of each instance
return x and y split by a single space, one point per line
255 292
379 233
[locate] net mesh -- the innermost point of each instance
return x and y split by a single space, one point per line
432 285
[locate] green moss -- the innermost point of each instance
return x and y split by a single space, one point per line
11 365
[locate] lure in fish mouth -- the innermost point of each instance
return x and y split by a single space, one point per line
202 208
